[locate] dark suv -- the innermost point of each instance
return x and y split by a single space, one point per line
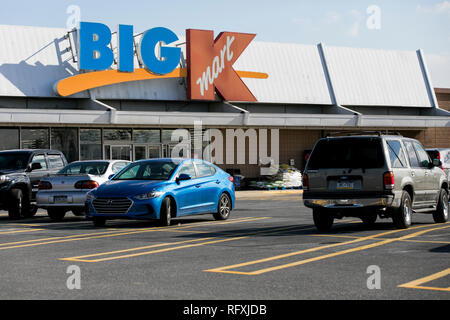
20 173
443 155
367 176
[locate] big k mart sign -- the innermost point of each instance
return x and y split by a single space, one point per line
209 61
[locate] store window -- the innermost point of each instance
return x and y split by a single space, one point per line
90 144
35 138
166 136
117 135
9 139
147 136
66 141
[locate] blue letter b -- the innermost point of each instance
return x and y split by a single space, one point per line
94 51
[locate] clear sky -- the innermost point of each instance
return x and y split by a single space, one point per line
395 24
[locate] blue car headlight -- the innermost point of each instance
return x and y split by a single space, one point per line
149 195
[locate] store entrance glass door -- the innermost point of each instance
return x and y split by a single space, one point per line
140 152
151 151
118 152
154 151
176 151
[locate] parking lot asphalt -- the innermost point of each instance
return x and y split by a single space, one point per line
269 249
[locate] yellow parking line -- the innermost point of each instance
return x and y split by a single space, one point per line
23 224
226 269
132 249
417 284
237 237
355 237
20 231
151 252
99 235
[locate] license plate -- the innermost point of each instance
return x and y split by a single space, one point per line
345 185
60 199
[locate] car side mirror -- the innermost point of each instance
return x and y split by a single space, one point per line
183 177
34 166
437 163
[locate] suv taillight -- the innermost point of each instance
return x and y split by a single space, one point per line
44 185
388 180
439 158
305 182
86 184
231 178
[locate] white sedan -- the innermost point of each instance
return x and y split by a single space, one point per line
67 190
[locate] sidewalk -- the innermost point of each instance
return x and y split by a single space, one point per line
267 194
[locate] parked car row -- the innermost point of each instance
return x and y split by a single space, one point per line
158 189
67 190
365 176
20 173
374 175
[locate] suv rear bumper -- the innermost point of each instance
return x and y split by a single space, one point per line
350 200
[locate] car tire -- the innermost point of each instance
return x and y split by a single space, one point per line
31 212
441 213
78 212
165 214
402 216
369 218
323 219
223 208
18 204
99 221
56 215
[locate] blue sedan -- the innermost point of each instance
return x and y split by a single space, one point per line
162 189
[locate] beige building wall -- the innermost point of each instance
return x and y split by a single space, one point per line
438 137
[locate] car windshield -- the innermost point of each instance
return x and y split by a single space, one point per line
148 170
347 153
93 168
14 160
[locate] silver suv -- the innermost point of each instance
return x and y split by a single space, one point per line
373 175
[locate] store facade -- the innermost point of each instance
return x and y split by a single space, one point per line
297 92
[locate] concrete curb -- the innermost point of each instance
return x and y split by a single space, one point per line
266 193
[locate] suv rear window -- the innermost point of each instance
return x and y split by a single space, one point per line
347 153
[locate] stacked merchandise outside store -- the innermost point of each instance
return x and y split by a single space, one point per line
287 177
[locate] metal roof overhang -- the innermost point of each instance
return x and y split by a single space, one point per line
31 117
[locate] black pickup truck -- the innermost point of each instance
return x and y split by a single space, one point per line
20 173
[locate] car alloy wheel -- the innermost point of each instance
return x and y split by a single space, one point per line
407 211
402 217
224 208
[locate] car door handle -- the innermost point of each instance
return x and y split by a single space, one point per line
217 181
413 173
197 186
427 173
